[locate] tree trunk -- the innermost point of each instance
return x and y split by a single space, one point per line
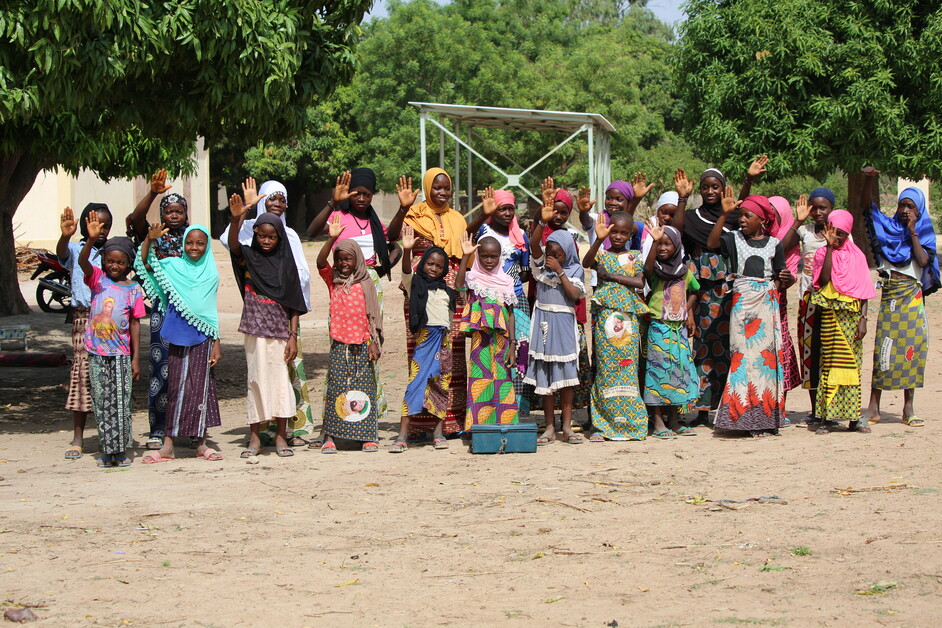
17 174
861 238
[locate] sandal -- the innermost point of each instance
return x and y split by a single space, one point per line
297 441
823 430
686 431
370 446
664 434
122 462
153 457
574 439
248 452
328 448
74 452
317 443
284 452
440 443
855 426
154 442
544 440
914 421
398 447
210 454
104 462
597 438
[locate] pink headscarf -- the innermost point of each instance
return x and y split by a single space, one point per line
783 222
496 284
506 197
849 272
564 197
759 205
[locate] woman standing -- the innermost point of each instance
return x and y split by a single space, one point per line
436 224
905 247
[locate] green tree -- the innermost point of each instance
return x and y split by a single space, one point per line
819 85
123 87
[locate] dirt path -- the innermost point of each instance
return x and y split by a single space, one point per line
579 535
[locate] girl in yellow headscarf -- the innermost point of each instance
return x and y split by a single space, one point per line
433 223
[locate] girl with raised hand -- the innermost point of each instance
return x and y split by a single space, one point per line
670 379
843 286
754 395
782 228
553 361
185 289
356 341
430 304
273 301
173 214
112 339
905 247
436 224
498 220
274 200
711 344
489 319
79 399
617 410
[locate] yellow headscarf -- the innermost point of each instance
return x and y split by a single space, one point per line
424 218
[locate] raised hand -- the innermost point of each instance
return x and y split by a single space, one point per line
157 231
405 192
342 188
548 191
729 201
158 182
547 212
802 209
236 207
602 228
757 166
553 265
94 226
467 246
335 228
830 235
67 222
250 192
489 204
584 200
639 183
655 230
682 184
408 237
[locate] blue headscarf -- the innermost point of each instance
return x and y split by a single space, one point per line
823 193
890 238
572 267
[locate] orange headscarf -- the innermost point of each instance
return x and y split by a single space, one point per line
424 218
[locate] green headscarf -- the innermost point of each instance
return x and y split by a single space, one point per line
190 286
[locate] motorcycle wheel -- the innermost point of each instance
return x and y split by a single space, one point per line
50 301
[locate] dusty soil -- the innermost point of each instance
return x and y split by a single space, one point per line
585 535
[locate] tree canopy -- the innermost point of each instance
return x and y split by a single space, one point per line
123 87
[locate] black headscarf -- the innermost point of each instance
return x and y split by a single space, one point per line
675 267
421 284
119 243
698 223
364 177
273 274
91 207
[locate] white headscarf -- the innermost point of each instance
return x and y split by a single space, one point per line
667 198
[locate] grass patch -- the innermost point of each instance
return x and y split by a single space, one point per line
877 588
801 550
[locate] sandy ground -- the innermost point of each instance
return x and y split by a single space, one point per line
587 535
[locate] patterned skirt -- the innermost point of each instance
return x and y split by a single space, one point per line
351 392
111 398
809 338
157 388
838 396
754 396
192 405
427 393
617 410
80 393
522 331
491 394
711 347
789 361
902 339
670 376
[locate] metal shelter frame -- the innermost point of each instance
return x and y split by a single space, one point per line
596 128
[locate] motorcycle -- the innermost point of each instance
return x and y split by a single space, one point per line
54 292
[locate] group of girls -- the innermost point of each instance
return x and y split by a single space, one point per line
688 313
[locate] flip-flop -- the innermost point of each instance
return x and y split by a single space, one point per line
104 463
664 434
914 421
370 446
686 431
74 452
439 443
597 438
153 457
328 448
210 454
248 452
398 447
858 426
154 442
575 439
544 440
123 462
317 443
284 452
297 441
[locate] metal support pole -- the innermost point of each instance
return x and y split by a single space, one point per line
457 154
441 149
592 182
422 119
470 191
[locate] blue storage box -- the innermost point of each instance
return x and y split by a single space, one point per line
507 438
